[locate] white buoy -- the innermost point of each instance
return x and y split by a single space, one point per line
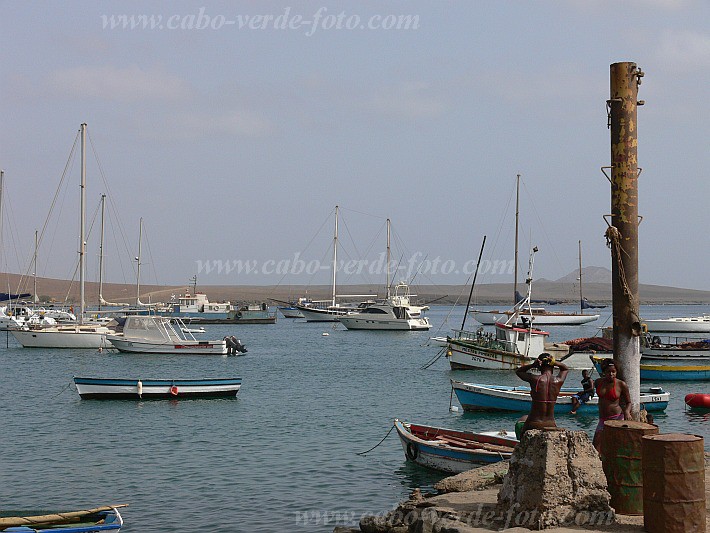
140 388
454 409
326 334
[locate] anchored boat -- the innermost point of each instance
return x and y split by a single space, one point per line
144 389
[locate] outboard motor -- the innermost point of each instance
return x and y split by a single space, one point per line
238 346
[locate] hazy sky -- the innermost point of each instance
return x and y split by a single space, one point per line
235 142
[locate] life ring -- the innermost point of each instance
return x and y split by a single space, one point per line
412 451
174 390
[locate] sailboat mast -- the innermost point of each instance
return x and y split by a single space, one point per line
82 229
335 252
34 274
517 216
581 298
388 258
138 259
101 252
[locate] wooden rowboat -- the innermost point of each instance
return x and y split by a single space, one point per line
142 389
450 450
87 521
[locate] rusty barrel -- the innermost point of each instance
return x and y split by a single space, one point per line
621 458
673 483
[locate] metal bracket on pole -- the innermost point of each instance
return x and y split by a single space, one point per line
607 176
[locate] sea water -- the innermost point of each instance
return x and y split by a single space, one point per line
283 456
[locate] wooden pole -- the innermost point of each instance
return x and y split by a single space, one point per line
622 235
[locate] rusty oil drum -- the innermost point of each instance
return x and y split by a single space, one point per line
621 459
673 483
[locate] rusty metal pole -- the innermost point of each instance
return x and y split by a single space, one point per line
622 236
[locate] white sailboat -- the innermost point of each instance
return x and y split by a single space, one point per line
318 310
395 313
81 335
540 316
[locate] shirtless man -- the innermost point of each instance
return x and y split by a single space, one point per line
612 393
544 389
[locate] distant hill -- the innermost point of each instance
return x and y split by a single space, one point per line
590 274
563 290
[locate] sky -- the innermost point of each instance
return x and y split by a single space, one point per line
235 128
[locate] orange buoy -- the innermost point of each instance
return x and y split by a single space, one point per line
697 400
174 390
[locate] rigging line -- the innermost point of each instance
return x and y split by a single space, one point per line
547 237
325 221
150 255
115 242
376 445
362 213
68 165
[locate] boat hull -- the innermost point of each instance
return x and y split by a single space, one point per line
134 389
675 373
438 455
321 315
394 324
183 347
466 356
478 397
684 325
92 521
60 339
290 312
490 318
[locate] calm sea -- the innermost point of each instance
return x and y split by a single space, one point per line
281 457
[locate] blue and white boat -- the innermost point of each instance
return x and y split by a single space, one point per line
450 450
143 389
675 373
479 397
89 521
671 372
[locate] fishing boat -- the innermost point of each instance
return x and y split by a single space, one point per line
698 324
674 372
450 450
144 389
509 347
159 334
538 316
655 349
480 397
87 521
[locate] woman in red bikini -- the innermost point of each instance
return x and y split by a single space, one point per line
614 399
544 388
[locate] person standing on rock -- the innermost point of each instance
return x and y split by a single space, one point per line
544 388
612 393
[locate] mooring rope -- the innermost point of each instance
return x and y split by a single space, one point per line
613 241
435 359
376 445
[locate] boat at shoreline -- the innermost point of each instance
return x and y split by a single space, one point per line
450 450
148 389
481 397
95 520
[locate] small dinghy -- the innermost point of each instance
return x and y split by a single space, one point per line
143 389
88 521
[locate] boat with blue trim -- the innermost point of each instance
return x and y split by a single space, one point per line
143 389
87 521
450 450
672 372
480 397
